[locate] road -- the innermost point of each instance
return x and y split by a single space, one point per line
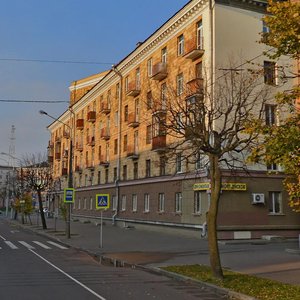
34 267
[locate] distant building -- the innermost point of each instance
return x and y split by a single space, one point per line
6 173
119 148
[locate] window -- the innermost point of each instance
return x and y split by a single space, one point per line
135 170
134 202
106 175
162 166
179 84
198 70
199 162
272 167
125 143
163 96
270 113
114 202
265 28
199 35
91 202
123 203
148 168
99 177
161 202
178 202
148 134
149 100
126 83
275 203
84 203
108 99
180 45
125 172
116 119
146 203
126 113
178 163
197 202
270 72
116 146
164 55
149 67
137 109
138 78
115 174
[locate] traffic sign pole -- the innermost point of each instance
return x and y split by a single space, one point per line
101 229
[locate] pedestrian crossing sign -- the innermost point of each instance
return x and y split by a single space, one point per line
102 201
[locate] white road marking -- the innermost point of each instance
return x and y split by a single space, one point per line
26 245
3 238
57 245
67 275
41 245
11 245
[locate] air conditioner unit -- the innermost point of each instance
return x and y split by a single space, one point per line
258 198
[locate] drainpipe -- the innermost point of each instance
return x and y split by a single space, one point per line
117 187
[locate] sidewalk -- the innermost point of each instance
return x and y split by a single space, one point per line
153 249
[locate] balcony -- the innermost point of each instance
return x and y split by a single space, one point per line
105 108
91 140
159 143
79 124
91 116
133 120
90 165
79 146
105 135
132 152
64 172
159 71
134 89
104 161
66 134
194 51
194 88
57 156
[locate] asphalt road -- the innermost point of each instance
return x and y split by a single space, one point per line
33 267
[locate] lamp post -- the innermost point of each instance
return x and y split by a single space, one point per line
70 173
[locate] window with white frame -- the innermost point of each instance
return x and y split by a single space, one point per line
179 84
272 167
114 202
270 114
275 202
178 163
200 35
134 202
180 45
164 55
197 202
161 202
146 202
178 202
123 203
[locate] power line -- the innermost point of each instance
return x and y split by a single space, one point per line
56 61
33 101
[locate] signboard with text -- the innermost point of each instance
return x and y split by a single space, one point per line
226 186
69 195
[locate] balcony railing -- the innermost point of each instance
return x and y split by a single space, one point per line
159 71
133 89
194 51
105 108
103 161
79 146
132 152
159 143
91 116
90 165
133 120
79 124
194 88
78 169
91 140
105 135
57 156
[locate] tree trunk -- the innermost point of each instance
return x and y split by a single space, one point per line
215 183
41 210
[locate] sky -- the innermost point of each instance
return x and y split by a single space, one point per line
44 46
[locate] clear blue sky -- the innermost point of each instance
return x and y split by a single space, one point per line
64 30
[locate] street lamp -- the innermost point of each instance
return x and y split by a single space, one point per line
70 173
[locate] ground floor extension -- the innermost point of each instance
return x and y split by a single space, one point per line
251 205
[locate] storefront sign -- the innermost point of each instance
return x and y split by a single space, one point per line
226 186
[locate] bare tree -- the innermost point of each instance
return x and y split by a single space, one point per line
208 120
36 177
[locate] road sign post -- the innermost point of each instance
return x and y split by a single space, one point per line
102 202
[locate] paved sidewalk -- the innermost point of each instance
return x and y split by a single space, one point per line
153 249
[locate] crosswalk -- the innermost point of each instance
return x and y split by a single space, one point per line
31 245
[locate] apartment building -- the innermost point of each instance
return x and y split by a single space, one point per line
119 146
